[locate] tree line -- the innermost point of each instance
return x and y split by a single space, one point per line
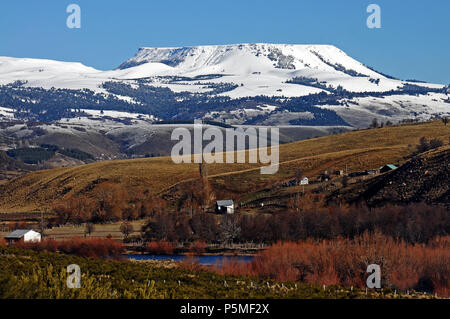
191 219
414 223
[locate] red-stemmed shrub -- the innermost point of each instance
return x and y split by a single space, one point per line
343 261
197 247
190 263
160 247
91 247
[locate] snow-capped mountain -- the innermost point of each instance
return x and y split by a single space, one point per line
319 76
264 68
247 59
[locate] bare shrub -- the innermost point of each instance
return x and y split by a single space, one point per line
160 247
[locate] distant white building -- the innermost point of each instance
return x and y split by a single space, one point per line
25 235
304 181
225 206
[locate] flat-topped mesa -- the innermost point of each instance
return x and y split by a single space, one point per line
264 56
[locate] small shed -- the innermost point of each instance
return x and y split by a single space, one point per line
225 206
304 181
387 168
25 235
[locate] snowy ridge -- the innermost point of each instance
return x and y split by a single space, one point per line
261 55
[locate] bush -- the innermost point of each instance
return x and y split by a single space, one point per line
126 229
92 247
425 145
436 143
198 247
160 247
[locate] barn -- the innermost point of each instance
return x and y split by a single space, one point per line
225 206
25 235
387 168
304 181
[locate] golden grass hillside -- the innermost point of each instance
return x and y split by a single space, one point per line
355 150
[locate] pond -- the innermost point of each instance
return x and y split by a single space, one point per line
205 260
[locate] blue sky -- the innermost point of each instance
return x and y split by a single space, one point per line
413 42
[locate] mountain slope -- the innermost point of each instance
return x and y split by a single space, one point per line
245 58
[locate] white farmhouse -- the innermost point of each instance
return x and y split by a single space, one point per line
225 206
25 235
304 181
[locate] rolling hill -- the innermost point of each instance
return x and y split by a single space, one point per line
355 150
109 137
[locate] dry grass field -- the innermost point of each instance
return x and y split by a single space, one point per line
356 150
100 230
